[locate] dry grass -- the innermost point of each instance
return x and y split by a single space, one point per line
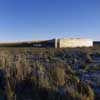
42 74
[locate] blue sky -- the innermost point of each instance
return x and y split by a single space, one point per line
46 19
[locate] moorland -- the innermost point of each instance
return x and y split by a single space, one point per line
49 73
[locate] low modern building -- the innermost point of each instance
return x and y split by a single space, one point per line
54 43
74 42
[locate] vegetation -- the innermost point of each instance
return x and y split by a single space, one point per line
43 74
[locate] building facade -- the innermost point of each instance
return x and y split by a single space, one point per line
74 42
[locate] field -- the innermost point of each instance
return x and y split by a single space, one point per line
49 73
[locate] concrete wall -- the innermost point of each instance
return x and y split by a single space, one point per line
77 42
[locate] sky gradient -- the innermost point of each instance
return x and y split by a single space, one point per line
46 19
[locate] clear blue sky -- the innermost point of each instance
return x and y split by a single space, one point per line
44 19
